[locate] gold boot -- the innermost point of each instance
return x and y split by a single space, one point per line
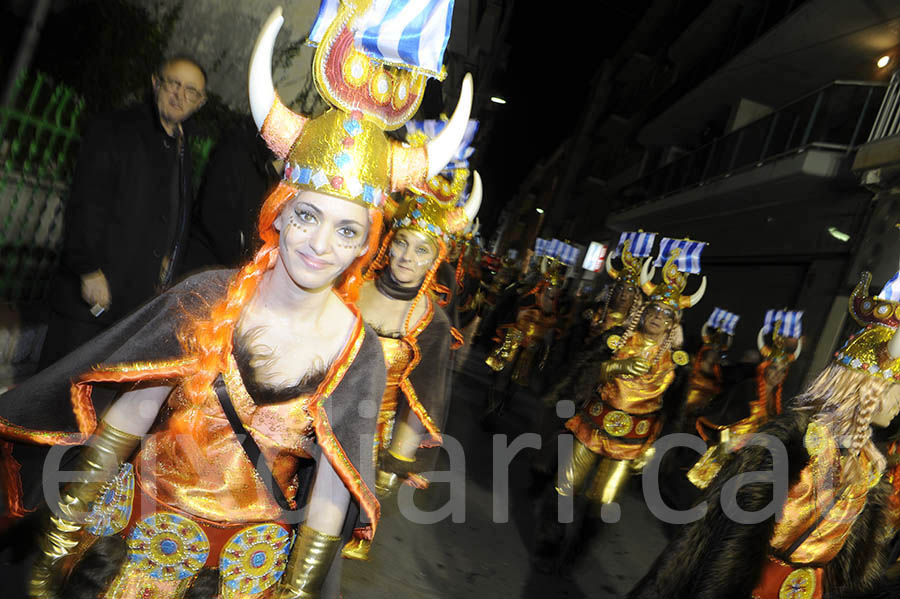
308 564
576 470
60 532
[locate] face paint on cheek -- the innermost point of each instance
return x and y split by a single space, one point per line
298 225
350 245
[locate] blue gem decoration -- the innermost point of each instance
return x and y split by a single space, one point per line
352 127
342 160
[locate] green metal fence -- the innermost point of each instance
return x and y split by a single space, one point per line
38 148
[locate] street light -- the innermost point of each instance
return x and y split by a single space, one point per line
838 234
497 100
883 61
539 210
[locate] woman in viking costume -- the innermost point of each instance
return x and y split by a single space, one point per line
234 379
752 403
828 534
623 302
399 300
621 397
704 383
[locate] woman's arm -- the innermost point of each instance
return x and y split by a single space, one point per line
135 411
329 500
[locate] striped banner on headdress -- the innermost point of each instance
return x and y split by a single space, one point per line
791 322
715 318
554 247
568 254
430 129
729 322
406 33
641 244
327 12
540 246
688 259
891 291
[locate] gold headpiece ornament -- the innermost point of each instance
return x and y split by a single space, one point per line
721 321
786 345
876 349
676 253
630 273
345 152
422 211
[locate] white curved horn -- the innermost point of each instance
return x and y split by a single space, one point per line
698 295
474 201
894 345
259 81
446 143
647 274
761 342
799 349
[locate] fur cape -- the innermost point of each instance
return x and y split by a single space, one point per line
716 557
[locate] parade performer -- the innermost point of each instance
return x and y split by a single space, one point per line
234 380
752 403
525 343
621 397
449 188
704 383
398 301
829 536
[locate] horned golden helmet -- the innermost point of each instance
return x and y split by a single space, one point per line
679 258
345 152
875 349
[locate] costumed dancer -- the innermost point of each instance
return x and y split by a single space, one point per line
621 395
752 403
273 350
829 535
623 302
399 301
704 383
620 415
525 343
450 189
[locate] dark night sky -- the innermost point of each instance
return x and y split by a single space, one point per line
553 57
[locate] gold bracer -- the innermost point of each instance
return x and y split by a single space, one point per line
59 534
576 470
504 354
308 565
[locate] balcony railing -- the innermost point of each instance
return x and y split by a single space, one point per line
835 117
887 123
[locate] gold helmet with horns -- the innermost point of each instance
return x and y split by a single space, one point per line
678 258
875 349
345 152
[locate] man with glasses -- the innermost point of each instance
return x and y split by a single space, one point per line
127 214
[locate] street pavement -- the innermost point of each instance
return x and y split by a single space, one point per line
479 557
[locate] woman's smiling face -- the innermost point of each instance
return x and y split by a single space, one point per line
320 236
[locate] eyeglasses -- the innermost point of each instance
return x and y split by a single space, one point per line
173 86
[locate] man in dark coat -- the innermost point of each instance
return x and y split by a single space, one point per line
239 175
126 219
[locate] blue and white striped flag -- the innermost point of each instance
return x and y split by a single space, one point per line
891 291
791 325
431 127
554 247
715 318
729 322
327 12
688 259
641 244
406 33
568 254
540 246
791 322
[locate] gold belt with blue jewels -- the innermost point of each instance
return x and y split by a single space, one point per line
168 548
625 427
